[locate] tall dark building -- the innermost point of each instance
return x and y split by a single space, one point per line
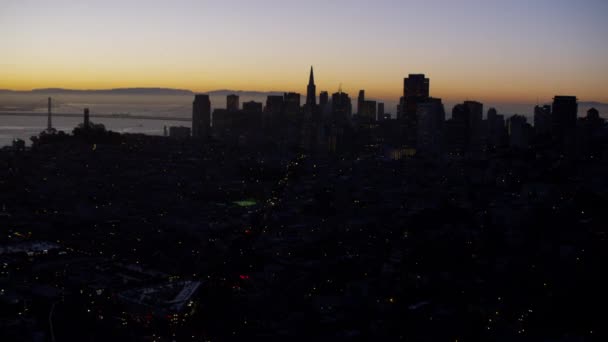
232 103
360 100
431 118
323 98
496 128
201 116
367 111
380 111
477 129
252 107
563 120
311 91
542 121
416 86
292 103
274 104
519 129
415 91
458 129
341 107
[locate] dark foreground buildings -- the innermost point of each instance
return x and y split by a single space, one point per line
288 221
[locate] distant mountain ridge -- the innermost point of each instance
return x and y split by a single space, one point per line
137 91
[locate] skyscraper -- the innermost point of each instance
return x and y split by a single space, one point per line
341 107
563 118
274 105
201 116
542 121
430 117
311 91
496 128
292 103
477 131
232 103
380 111
415 91
252 107
519 129
360 100
416 86
323 98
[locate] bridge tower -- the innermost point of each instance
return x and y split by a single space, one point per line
49 124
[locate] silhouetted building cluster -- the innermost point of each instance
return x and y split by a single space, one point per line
420 126
312 221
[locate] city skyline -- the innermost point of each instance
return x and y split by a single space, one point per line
512 53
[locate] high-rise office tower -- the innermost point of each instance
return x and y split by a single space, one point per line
311 91
232 103
416 86
430 117
380 111
542 121
201 116
477 131
341 107
519 129
360 100
496 128
292 103
563 118
274 104
323 98
252 107
415 91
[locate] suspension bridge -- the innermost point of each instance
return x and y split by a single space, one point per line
53 103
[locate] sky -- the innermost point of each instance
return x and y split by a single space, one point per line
487 50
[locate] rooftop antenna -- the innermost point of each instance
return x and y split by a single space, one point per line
340 88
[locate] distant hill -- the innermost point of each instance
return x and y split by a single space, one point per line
138 91
592 104
117 91
224 92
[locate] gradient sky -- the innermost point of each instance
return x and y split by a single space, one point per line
507 51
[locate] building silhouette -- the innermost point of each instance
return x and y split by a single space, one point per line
179 132
563 122
201 116
477 131
252 107
519 131
360 100
430 117
542 121
380 111
415 91
497 133
274 105
341 107
292 103
323 98
232 103
311 91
